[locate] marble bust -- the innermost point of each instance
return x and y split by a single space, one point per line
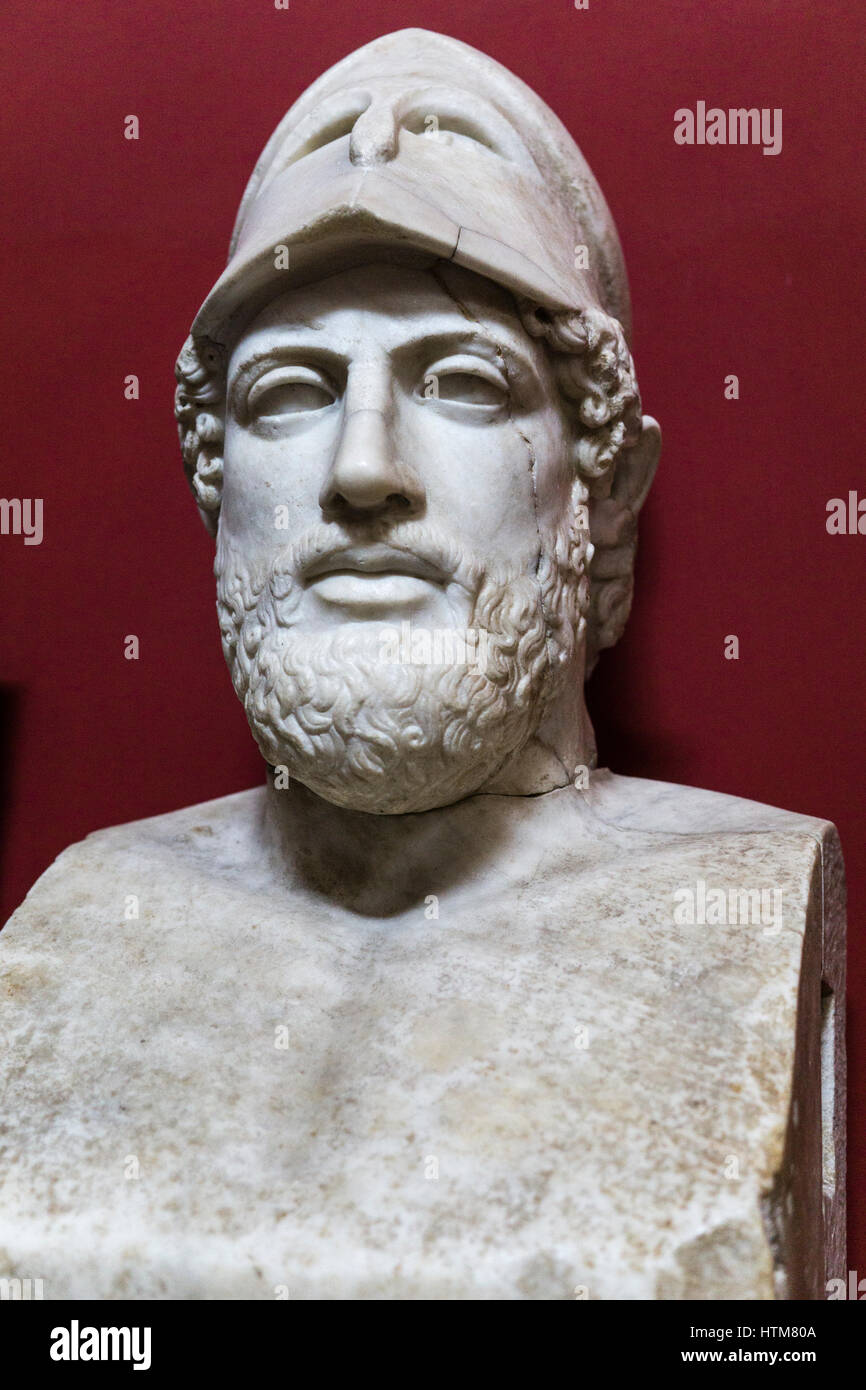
442 1010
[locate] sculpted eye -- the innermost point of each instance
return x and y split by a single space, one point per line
467 381
289 390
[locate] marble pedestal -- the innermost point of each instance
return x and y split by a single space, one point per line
531 1082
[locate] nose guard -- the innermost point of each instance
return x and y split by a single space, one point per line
416 149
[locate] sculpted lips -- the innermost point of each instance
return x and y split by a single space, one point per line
378 560
369 576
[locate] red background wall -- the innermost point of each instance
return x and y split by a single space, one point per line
739 263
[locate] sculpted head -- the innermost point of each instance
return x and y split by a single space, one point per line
423 470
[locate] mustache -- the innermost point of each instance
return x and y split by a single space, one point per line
423 547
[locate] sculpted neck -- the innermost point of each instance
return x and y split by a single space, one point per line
563 744
381 865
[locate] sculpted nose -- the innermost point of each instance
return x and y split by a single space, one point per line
374 135
365 478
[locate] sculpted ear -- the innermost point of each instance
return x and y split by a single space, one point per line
636 468
199 408
613 527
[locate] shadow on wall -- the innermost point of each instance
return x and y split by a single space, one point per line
622 745
11 702
627 730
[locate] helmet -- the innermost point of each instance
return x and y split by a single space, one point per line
418 148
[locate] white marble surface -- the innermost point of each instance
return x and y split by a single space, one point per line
421 1019
602 1169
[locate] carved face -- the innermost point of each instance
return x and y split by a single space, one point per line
397 466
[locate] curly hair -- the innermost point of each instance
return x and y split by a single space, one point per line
596 377
595 374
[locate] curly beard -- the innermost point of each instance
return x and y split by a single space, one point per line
382 737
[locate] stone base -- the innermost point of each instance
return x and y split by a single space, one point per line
539 1081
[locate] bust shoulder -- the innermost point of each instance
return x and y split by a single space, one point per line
194 841
639 803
